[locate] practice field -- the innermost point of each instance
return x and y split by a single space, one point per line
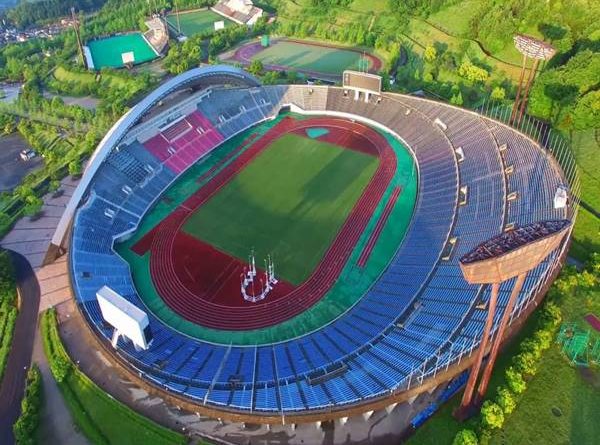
289 203
196 22
307 56
106 53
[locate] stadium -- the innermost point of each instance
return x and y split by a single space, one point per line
293 251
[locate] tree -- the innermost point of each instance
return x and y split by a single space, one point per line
506 400
465 437
586 113
256 67
430 53
515 381
498 93
472 72
457 99
491 415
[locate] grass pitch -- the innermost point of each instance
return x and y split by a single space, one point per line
308 57
196 22
289 202
106 53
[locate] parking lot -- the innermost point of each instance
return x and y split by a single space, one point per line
12 168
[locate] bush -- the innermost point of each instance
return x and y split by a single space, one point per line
532 346
492 415
551 316
498 93
465 437
5 223
544 338
33 205
27 423
54 185
526 362
60 368
515 381
256 67
75 168
506 400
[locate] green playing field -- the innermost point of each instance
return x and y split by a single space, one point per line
289 202
107 52
304 56
196 22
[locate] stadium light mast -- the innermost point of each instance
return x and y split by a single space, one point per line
535 49
177 15
504 257
76 23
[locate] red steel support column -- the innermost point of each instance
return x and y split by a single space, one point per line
468 394
513 114
527 88
487 372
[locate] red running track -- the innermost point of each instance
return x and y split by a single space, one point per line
172 282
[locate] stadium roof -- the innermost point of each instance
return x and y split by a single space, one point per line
513 240
207 75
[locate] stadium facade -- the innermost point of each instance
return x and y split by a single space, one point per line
419 323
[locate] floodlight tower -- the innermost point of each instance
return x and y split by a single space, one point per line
535 49
76 24
508 255
177 15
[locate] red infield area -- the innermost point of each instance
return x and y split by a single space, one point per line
202 283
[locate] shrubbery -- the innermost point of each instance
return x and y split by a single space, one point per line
27 423
465 437
492 416
8 309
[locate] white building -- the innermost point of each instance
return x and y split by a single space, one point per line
242 12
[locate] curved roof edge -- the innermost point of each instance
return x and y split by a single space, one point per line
128 120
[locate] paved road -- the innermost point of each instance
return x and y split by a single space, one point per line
12 168
19 359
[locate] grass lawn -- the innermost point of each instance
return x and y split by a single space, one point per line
107 52
289 202
98 415
304 56
557 384
63 75
196 22
456 18
587 227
